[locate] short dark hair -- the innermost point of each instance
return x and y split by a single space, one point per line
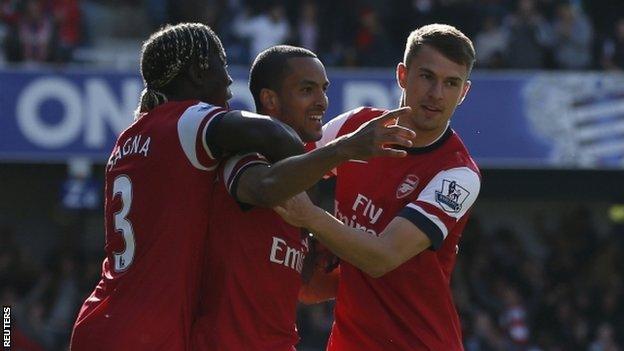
271 67
168 52
448 40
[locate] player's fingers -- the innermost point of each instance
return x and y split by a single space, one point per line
391 117
397 140
280 210
404 142
396 136
390 152
401 131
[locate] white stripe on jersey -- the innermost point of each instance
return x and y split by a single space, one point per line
432 218
331 128
330 133
188 129
467 188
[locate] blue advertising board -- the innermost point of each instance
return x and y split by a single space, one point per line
565 120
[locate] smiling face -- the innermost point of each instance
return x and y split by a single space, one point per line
301 100
433 86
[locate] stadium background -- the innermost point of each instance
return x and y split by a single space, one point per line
539 265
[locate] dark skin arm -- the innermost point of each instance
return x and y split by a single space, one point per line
267 186
241 131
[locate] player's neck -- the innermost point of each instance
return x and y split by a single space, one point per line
182 92
423 137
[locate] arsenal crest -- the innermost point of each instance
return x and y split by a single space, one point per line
407 186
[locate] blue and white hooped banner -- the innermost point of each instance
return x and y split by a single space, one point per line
530 119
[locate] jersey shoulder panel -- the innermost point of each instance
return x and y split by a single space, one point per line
460 155
193 126
443 202
347 123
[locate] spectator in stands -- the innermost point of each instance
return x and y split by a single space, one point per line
9 18
483 334
513 318
19 341
67 19
65 301
336 32
405 15
372 44
572 38
264 30
605 339
529 37
613 48
491 43
35 30
28 311
308 26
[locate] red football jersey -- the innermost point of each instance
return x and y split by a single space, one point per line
252 272
409 308
159 181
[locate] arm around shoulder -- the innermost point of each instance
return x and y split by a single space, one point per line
241 131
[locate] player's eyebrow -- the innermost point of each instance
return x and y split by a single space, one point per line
311 82
451 78
454 80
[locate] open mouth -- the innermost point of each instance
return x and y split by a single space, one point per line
317 118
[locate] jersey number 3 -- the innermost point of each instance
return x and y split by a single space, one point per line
123 260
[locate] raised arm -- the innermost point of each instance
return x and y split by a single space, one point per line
266 186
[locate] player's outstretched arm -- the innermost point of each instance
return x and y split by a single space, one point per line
269 185
376 256
243 131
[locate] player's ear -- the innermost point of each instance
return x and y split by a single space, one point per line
401 75
269 100
465 90
195 74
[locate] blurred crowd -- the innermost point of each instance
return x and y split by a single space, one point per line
44 292
508 34
554 287
34 31
558 287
